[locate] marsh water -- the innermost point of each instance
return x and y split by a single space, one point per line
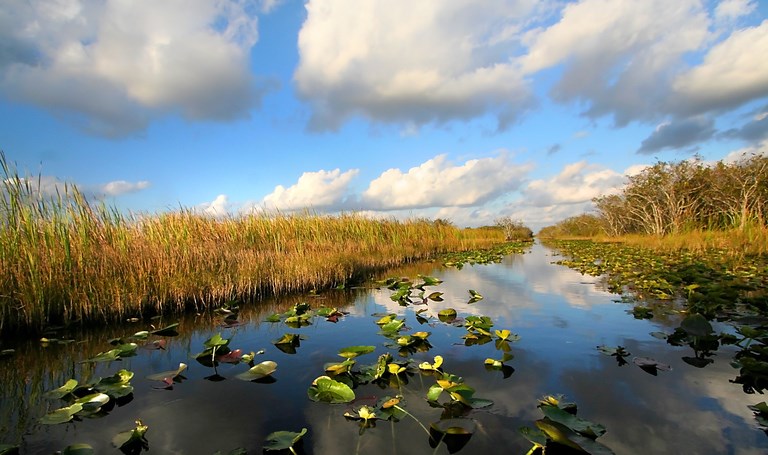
560 316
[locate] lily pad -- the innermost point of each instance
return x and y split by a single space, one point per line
328 390
61 415
474 296
283 440
93 402
168 374
447 315
62 391
259 371
353 351
131 437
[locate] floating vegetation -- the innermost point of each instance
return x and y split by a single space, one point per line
561 430
284 440
132 441
260 371
710 283
488 256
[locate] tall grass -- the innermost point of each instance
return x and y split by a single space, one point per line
63 258
736 242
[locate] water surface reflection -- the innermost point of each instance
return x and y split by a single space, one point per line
560 315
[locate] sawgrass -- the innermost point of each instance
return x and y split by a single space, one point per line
63 258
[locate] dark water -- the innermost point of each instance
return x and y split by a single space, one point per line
560 316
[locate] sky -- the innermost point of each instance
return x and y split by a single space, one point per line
462 110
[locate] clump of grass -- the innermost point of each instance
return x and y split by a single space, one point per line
64 259
752 241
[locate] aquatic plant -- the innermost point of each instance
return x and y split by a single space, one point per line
562 431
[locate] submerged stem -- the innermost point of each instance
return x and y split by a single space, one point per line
414 418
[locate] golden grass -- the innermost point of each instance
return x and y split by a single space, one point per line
735 242
63 259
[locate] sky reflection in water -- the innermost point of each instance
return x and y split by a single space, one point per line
560 315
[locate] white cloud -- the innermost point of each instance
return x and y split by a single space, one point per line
116 65
412 62
619 55
120 187
325 190
439 183
760 149
732 9
219 207
577 183
730 75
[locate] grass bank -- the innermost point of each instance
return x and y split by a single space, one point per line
64 259
736 242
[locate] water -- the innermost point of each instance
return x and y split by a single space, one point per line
560 315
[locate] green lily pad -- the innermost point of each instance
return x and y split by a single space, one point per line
130 437
216 341
93 402
62 391
259 371
393 326
435 296
117 385
61 415
353 351
474 296
429 280
447 315
577 424
328 390
283 440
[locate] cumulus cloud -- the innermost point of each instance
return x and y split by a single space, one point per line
114 66
729 76
219 207
322 190
760 149
619 56
677 134
120 187
439 183
412 62
728 10
578 183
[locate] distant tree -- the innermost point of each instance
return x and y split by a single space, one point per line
514 229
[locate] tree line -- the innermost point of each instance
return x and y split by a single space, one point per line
676 197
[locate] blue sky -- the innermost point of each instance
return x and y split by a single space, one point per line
467 110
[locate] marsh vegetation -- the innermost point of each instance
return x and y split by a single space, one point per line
64 258
683 205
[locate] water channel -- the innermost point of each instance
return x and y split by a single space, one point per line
560 316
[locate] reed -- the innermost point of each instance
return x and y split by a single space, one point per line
63 258
734 243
